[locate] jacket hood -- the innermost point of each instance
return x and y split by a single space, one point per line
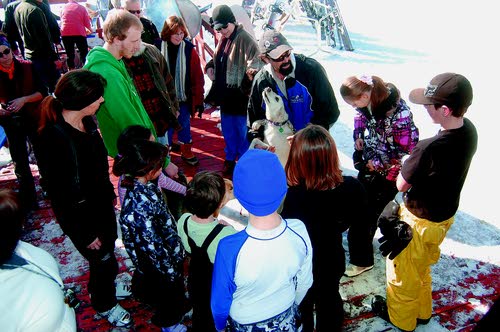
99 55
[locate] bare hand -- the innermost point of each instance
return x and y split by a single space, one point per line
16 104
370 166
172 170
95 245
359 144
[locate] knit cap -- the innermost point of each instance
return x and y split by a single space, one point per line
259 182
221 16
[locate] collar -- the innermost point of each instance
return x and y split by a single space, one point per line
277 124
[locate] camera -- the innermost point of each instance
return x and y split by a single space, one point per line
71 299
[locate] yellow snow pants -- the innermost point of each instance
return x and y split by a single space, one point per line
409 289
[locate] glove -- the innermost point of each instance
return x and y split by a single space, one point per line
199 110
357 159
396 234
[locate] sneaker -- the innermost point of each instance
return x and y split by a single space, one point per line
354 270
123 291
117 316
174 328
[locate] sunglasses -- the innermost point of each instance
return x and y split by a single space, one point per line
5 52
222 27
282 57
135 11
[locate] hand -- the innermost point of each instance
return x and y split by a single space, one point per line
16 104
95 245
211 73
172 170
369 166
396 233
359 144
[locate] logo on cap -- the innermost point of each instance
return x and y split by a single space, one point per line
430 91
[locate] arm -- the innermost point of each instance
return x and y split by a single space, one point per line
16 104
305 274
401 183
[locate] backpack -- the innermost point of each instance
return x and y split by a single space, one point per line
200 278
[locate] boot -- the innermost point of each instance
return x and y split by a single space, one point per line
187 155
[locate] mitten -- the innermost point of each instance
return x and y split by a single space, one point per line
396 233
393 246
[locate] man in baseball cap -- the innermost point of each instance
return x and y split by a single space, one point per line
301 81
435 172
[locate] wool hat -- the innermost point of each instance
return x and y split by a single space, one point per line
4 41
273 44
450 89
259 182
221 16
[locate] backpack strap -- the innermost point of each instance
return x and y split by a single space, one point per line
208 240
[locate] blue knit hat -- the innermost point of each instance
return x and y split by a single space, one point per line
259 182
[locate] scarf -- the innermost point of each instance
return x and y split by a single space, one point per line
180 69
9 71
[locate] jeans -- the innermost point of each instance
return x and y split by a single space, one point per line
234 130
183 135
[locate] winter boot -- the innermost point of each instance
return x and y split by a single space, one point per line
187 155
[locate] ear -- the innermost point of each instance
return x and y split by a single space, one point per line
446 110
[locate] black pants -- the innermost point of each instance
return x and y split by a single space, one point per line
82 45
46 69
360 237
19 136
167 297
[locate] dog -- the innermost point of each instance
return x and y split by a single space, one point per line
277 127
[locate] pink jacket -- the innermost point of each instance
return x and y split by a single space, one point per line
74 20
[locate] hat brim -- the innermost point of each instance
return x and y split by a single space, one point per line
278 51
417 97
219 25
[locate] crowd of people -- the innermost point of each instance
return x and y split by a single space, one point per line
136 93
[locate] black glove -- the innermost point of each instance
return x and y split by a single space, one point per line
396 233
199 110
357 159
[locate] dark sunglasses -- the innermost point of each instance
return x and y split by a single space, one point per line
135 11
5 52
282 57
222 27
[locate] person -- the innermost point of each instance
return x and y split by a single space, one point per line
150 33
149 234
75 25
431 180
21 91
78 185
184 64
39 36
155 85
384 133
136 132
301 81
200 232
9 27
122 31
261 274
328 203
235 50
31 286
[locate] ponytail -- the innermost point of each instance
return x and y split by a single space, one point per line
50 108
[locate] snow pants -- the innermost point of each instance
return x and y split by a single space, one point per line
409 281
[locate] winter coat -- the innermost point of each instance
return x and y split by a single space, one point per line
313 77
122 106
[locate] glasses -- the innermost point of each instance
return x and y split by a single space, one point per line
180 34
135 11
5 52
282 57
222 27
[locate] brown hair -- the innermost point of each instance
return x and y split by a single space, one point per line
313 161
205 193
171 25
117 24
353 88
11 221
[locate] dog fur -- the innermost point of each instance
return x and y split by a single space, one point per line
277 127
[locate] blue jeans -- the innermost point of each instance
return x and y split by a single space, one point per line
183 135
234 130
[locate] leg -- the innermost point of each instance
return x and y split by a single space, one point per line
69 46
18 139
230 135
184 135
83 48
241 131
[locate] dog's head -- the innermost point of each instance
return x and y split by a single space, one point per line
275 109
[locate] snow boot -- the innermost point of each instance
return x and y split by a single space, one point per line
187 155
